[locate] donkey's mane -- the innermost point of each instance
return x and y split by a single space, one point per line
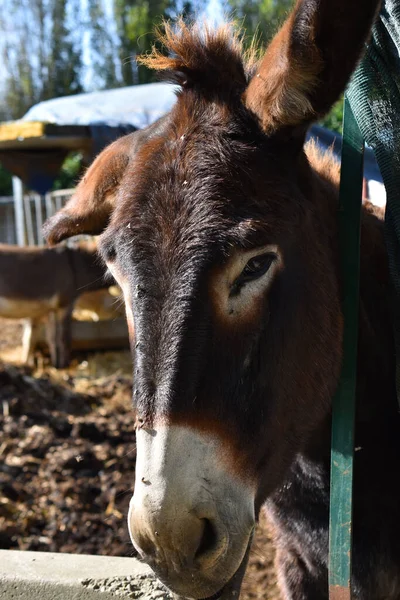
199 55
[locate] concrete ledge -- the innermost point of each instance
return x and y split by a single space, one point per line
53 576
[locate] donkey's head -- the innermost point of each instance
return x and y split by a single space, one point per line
218 231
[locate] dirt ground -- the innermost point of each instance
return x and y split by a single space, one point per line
67 459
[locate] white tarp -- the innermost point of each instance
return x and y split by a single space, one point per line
138 105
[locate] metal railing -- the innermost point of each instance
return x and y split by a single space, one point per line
22 215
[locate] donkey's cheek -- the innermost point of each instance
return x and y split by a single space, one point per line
233 312
125 287
129 314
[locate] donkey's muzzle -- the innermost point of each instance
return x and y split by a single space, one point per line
189 518
180 552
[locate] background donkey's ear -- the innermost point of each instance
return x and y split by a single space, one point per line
89 209
308 63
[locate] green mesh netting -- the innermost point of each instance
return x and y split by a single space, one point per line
374 96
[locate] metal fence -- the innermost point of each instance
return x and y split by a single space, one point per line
22 216
7 221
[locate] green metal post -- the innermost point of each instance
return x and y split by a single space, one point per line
340 521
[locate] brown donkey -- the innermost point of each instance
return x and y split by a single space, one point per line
222 232
42 284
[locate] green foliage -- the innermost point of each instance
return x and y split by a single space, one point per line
5 182
70 172
68 177
260 18
136 22
334 119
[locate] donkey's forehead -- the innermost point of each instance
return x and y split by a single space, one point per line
211 175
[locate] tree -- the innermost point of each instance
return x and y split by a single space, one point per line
104 56
41 57
64 56
136 23
260 18
20 91
135 36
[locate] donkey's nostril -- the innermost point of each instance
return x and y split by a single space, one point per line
208 539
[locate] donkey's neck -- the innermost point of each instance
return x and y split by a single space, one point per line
377 429
376 395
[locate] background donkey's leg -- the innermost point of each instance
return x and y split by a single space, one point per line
64 334
51 335
59 336
29 339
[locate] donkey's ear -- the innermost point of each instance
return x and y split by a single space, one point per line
89 209
310 60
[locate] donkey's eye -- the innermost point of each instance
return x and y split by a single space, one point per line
256 267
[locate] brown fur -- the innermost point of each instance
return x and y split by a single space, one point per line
284 84
225 172
196 49
43 284
287 89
